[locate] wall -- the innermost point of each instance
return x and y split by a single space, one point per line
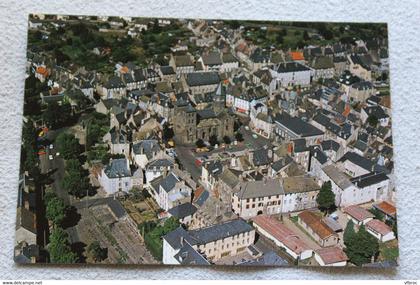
402 18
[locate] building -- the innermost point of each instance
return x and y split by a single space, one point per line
202 82
323 67
291 74
252 198
360 91
191 124
358 215
291 128
380 230
331 256
158 167
282 236
299 193
183 212
387 209
145 151
25 226
116 177
343 189
214 242
317 229
182 64
170 191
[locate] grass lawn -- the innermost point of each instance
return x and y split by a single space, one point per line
388 251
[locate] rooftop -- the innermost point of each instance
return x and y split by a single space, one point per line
330 255
358 213
282 233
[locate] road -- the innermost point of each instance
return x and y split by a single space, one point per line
57 165
187 160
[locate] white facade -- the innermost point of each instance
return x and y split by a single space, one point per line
114 185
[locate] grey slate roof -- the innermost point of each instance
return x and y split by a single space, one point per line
291 67
376 111
220 231
169 182
187 255
183 210
147 147
263 188
330 145
117 168
282 162
369 179
202 78
359 160
269 258
337 176
167 70
114 82
212 58
297 125
160 162
261 157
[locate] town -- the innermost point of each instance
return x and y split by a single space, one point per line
206 142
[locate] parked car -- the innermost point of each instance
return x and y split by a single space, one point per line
50 157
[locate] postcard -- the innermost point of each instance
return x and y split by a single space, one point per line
206 142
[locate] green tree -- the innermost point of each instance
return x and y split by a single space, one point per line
349 233
55 211
378 214
239 137
213 140
362 247
306 36
226 140
75 183
326 198
56 116
200 143
59 247
68 146
96 252
372 120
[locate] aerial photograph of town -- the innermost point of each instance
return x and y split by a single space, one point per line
206 142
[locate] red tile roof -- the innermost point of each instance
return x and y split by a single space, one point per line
282 233
387 208
330 255
316 224
359 213
297 55
42 70
378 226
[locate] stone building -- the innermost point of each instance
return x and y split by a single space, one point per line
191 124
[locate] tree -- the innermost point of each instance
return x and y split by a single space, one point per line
68 146
226 140
349 233
56 116
361 247
378 214
306 35
96 252
239 137
200 143
75 183
168 133
55 211
372 120
59 247
326 198
213 140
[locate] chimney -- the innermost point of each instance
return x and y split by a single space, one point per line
181 241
